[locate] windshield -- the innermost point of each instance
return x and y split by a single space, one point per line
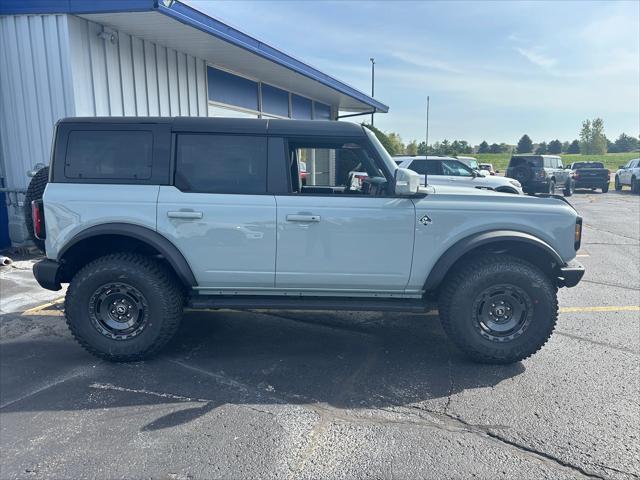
386 158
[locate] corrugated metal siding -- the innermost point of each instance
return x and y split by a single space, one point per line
132 76
35 90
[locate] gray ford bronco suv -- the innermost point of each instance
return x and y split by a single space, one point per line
144 217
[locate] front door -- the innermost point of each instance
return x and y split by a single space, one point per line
338 233
219 214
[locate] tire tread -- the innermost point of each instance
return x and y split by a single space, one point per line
158 275
455 278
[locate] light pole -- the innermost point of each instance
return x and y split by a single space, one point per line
373 72
426 144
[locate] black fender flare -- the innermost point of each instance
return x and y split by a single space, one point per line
152 238
464 246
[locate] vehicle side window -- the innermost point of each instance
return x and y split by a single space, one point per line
319 167
455 168
209 163
426 167
559 163
109 154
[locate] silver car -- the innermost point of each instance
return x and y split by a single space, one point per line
451 171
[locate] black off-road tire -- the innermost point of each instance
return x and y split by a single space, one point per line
635 185
569 187
617 184
153 281
35 190
458 299
605 188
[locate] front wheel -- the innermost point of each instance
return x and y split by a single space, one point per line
552 187
617 184
635 185
498 309
569 188
124 307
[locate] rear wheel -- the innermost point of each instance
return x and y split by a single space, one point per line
124 307
605 188
34 192
635 185
498 309
617 184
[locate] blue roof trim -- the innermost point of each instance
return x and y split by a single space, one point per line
25 7
193 18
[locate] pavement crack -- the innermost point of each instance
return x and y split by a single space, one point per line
611 233
543 455
596 342
451 380
488 431
70 376
615 285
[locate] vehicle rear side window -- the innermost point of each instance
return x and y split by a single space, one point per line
426 167
109 155
221 164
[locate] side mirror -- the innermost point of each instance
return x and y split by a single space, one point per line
621 167
407 182
482 173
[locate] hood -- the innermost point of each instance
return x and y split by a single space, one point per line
475 198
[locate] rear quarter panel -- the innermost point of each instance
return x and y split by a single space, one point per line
71 208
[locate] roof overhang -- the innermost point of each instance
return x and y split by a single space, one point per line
173 24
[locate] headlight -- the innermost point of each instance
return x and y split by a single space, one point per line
515 183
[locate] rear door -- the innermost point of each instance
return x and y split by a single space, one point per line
218 212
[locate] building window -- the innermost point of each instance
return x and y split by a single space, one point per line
109 154
221 164
275 101
224 87
321 111
300 107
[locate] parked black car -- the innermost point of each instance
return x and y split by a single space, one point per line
590 175
540 174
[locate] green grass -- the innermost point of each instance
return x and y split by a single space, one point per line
610 160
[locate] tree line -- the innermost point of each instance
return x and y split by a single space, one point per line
591 141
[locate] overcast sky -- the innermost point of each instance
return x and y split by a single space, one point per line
494 70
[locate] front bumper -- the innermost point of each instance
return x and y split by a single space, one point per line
571 274
47 273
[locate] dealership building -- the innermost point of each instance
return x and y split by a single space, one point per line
61 58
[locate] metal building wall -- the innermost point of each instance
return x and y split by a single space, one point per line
35 90
55 66
129 76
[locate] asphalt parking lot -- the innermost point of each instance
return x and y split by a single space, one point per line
335 395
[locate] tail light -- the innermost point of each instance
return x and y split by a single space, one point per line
37 214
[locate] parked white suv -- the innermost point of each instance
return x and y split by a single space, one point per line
629 174
451 171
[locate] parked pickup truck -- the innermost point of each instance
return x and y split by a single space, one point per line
146 216
590 175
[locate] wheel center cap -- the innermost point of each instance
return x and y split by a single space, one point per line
121 309
500 311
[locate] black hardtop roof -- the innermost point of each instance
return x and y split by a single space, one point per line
235 125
